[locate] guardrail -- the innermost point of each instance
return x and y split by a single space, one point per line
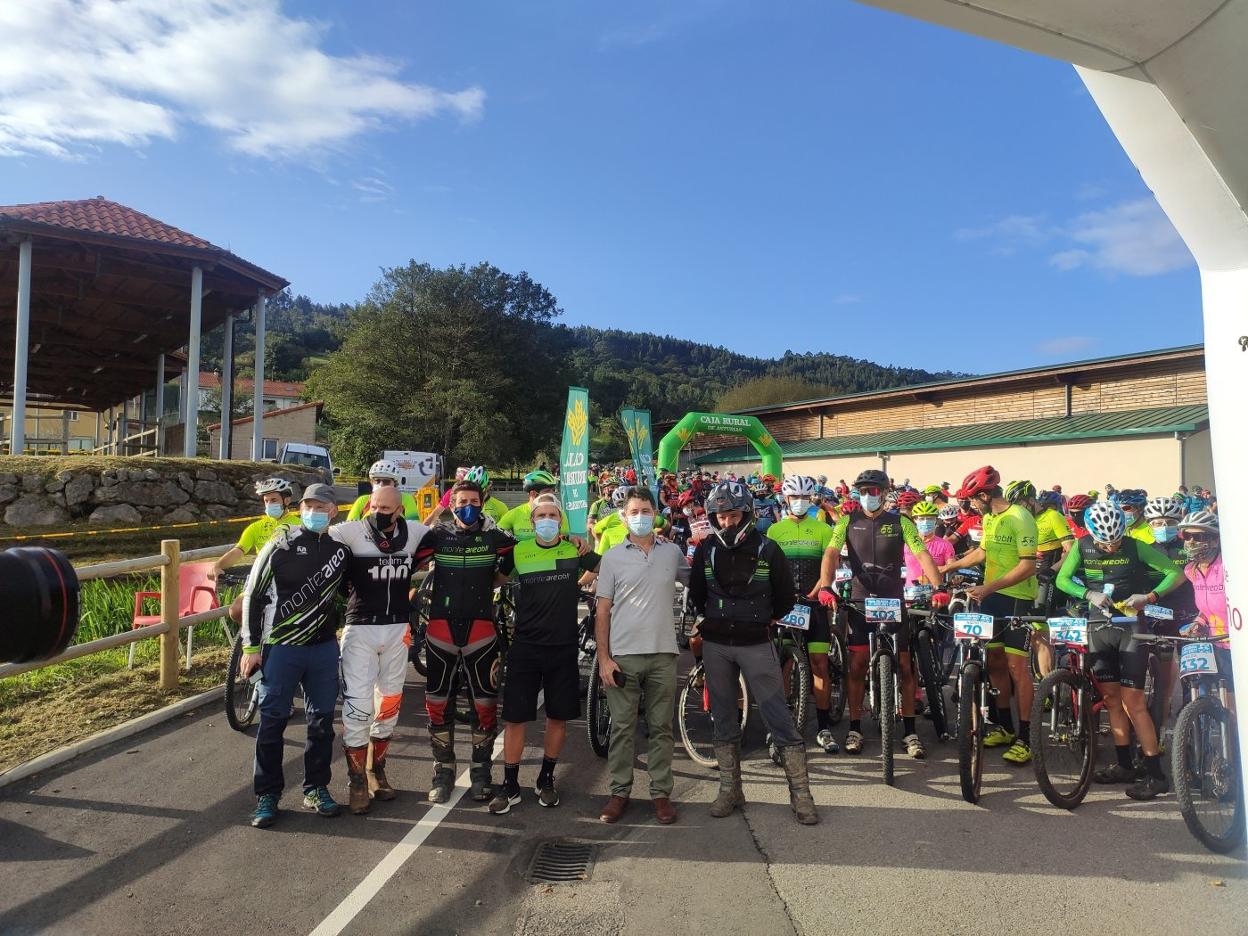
169 562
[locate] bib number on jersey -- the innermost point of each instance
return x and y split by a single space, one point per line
798 618
1071 631
1197 658
883 610
971 626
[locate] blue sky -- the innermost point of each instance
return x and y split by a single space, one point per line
813 176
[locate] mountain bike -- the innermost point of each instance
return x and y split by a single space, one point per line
421 603
242 696
973 631
794 669
931 673
884 619
597 712
693 715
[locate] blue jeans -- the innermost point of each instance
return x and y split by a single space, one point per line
315 667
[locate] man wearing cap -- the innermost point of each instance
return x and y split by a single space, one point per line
288 633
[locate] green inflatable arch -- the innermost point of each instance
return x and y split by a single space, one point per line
721 424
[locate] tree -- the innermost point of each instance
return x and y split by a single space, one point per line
460 361
770 390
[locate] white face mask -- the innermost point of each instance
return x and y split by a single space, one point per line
798 506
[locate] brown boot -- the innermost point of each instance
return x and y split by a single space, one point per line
793 759
728 754
357 784
378 786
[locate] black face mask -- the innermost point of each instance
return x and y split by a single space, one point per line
384 521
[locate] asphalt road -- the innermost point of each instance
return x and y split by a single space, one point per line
150 836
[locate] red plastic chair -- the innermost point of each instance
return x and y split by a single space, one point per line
193 585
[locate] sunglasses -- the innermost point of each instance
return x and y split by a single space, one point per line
1198 537
871 491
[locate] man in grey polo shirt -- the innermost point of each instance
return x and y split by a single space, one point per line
637 652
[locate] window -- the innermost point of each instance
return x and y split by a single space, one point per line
73 415
269 448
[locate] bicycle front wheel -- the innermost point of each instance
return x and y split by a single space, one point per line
1205 764
1063 742
241 697
693 716
597 715
970 732
925 653
886 682
837 668
795 668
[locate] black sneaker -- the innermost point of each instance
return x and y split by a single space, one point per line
1148 788
504 799
547 795
1114 773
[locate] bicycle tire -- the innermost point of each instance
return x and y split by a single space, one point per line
932 687
1190 784
970 732
239 690
693 717
1049 736
1157 704
837 693
797 687
420 627
888 713
597 714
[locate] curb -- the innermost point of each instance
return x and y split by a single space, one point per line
108 736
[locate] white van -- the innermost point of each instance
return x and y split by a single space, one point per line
310 456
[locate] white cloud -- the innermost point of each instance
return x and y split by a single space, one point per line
1132 237
373 189
1029 229
1067 344
75 74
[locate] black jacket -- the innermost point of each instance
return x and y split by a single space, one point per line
740 591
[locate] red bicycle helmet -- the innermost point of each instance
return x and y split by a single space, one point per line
684 499
907 499
979 481
1077 503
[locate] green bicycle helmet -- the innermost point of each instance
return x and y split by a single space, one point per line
924 509
478 475
1017 491
537 480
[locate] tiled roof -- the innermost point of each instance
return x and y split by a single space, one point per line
280 388
100 216
1150 421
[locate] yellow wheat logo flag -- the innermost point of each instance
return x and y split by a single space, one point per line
578 421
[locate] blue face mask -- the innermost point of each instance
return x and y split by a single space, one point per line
546 529
1164 534
469 514
315 520
871 502
274 510
640 524
925 527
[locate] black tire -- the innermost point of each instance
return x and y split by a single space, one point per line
416 652
796 665
970 732
837 669
1157 703
1063 739
925 654
597 714
693 716
241 699
1206 779
888 714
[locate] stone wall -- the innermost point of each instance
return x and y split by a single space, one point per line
51 492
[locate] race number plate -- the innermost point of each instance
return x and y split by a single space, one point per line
1071 631
917 592
798 618
699 529
968 626
1197 658
844 574
883 610
1158 613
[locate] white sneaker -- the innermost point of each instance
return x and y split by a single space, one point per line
825 740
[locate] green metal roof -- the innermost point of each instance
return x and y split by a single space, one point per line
1152 421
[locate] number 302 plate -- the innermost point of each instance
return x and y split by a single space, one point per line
882 610
969 626
1197 658
798 618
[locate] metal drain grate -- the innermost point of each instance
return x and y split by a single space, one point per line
558 862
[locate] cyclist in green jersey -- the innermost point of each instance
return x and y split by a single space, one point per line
519 520
605 505
275 494
384 474
493 507
1008 552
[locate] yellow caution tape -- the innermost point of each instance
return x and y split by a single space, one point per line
148 529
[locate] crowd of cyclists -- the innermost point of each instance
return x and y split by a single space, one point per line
761 549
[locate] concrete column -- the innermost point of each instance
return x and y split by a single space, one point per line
17 429
64 432
257 420
227 387
160 405
192 364
99 428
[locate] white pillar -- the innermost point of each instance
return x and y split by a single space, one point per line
257 413
17 428
160 404
227 387
123 428
191 434
99 428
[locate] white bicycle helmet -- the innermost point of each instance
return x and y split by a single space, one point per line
1205 520
275 485
1157 508
948 513
1105 522
799 486
478 475
620 495
384 469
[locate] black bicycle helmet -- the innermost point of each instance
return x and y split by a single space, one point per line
872 477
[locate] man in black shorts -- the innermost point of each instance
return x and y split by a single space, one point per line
543 655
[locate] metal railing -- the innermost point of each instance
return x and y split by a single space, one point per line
169 562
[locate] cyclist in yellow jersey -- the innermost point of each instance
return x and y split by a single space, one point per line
519 520
1008 552
384 474
275 494
1131 502
1053 542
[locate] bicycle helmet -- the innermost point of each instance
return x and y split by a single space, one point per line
1018 491
384 469
536 480
907 499
799 486
933 489
927 509
1046 499
275 486
890 500
1078 502
620 495
1135 498
478 475
1168 508
1105 523
1205 520
872 477
978 481
948 513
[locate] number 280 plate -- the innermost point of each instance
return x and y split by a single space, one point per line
798 618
